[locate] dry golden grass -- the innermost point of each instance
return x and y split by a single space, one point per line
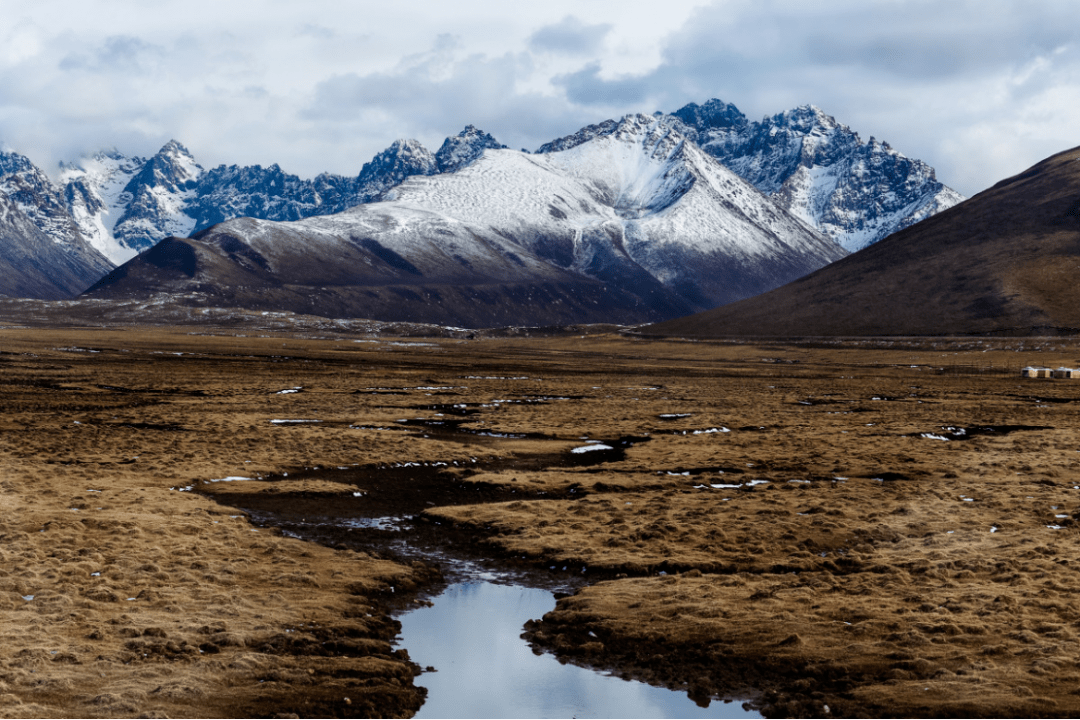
858 576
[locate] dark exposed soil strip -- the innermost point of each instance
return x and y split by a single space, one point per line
384 516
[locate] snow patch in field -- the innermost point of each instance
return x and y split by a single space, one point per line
591 448
724 486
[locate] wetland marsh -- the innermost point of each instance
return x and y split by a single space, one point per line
881 527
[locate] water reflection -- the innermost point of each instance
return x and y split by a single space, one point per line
484 669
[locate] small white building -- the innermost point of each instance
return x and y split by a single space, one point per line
1042 372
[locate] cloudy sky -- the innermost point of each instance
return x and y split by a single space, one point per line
980 90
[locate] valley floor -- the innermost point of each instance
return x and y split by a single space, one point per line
885 528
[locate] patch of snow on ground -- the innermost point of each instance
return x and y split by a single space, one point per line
591 448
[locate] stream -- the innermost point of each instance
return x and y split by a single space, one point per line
483 669
468 636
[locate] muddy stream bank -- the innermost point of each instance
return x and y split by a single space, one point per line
464 626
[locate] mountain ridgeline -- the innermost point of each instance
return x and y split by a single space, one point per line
638 224
1002 263
125 205
107 208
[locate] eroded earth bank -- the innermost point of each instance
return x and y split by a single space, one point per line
880 527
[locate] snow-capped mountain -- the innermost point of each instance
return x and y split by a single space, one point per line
160 193
639 202
464 148
96 194
649 241
67 264
226 192
819 169
1002 263
126 204
41 201
635 224
229 192
583 135
391 167
34 264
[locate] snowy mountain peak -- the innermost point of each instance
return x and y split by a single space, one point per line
173 169
411 149
403 159
12 162
41 237
714 113
634 222
153 201
585 134
808 119
661 136
94 190
465 147
821 171
662 133
102 162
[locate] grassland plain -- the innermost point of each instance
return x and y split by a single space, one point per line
882 527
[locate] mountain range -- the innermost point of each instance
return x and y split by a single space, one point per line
42 252
805 161
636 224
1004 262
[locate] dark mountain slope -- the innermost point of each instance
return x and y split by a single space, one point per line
341 271
35 265
1007 261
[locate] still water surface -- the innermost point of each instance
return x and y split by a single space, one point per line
472 637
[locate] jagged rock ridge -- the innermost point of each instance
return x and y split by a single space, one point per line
1001 263
632 225
808 163
170 194
44 254
811 165
463 149
819 169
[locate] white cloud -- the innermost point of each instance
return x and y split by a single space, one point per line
979 90
570 36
